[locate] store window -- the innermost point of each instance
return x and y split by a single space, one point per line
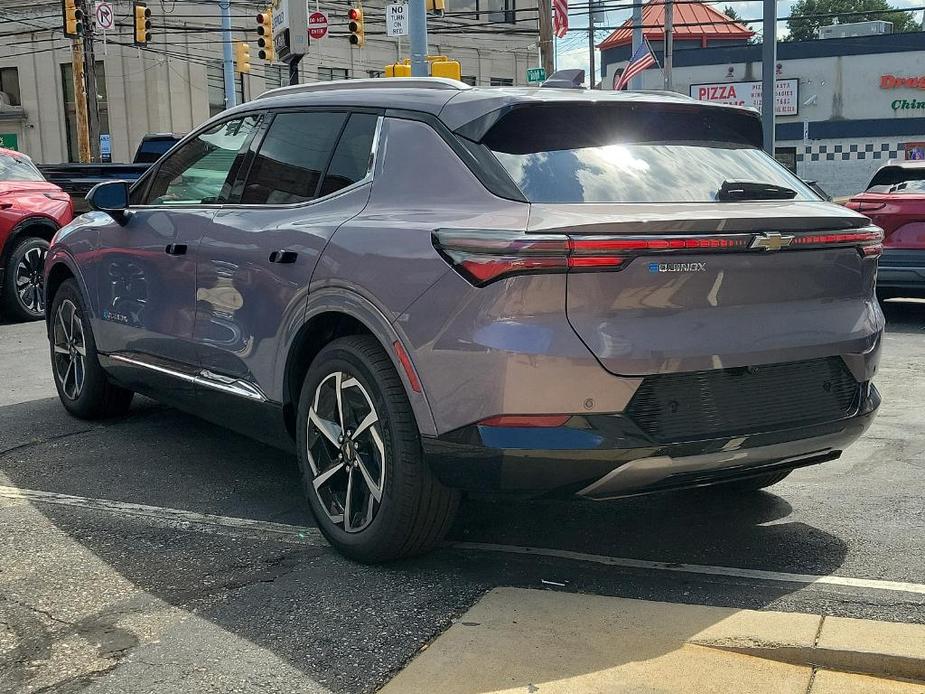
215 79
787 156
501 82
9 85
490 10
273 76
70 107
332 73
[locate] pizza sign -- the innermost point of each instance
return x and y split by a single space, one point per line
786 97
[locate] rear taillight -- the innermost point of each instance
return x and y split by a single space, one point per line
484 255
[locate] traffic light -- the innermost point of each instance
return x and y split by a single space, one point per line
142 17
355 25
265 36
242 57
73 19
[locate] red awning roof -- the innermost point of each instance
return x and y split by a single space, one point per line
692 20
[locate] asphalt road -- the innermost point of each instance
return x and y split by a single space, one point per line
124 598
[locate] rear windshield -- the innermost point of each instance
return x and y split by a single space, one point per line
13 168
149 151
605 154
896 179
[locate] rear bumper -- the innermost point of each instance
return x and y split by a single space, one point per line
607 456
901 270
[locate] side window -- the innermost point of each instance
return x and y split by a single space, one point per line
202 169
351 159
292 158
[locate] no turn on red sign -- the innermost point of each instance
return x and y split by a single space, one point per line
317 25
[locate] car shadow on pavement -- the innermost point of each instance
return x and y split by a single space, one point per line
904 316
340 623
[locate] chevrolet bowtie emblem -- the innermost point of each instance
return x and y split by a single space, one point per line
771 241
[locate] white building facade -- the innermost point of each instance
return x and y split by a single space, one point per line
176 82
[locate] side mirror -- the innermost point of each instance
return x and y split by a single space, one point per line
110 197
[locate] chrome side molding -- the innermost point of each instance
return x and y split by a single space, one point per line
205 378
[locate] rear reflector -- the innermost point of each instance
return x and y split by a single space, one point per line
526 420
405 362
483 256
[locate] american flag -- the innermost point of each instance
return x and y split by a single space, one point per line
642 59
560 20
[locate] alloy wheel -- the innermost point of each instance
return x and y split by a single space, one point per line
30 281
346 452
70 349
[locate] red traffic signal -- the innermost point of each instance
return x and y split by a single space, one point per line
353 14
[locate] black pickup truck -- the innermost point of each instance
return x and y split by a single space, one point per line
78 179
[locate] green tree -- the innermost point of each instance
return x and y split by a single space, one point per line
732 14
805 27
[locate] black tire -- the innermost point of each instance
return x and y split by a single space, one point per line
97 397
28 255
415 510
753 484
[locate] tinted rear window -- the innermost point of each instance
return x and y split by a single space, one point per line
898 179
632 153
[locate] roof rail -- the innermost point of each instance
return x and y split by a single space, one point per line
373 83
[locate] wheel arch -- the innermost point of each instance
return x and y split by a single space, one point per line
60 267
334 313
35 226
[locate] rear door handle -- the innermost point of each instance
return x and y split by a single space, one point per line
175 249
283 256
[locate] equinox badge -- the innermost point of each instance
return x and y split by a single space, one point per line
771 241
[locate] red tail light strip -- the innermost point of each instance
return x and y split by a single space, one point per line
484 256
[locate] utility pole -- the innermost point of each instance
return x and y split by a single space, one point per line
93 106
544 28
417 30
669 44
294 69
80 100
636 82
768 73
228 54
592 79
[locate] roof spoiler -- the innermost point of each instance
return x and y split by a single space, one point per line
565 79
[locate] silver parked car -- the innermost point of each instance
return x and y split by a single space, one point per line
424 288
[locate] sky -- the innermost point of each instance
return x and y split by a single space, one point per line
572 51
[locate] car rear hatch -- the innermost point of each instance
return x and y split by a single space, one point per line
688 249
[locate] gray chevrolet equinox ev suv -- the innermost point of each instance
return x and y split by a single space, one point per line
424 288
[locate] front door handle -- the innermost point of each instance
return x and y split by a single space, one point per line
175 249
283 256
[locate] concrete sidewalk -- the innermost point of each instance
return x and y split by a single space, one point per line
516 640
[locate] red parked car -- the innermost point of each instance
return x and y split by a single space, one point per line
895 201
31 211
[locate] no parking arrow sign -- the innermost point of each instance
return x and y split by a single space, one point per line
104 15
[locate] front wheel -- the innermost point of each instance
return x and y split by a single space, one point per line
23 288
363 469
83 387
